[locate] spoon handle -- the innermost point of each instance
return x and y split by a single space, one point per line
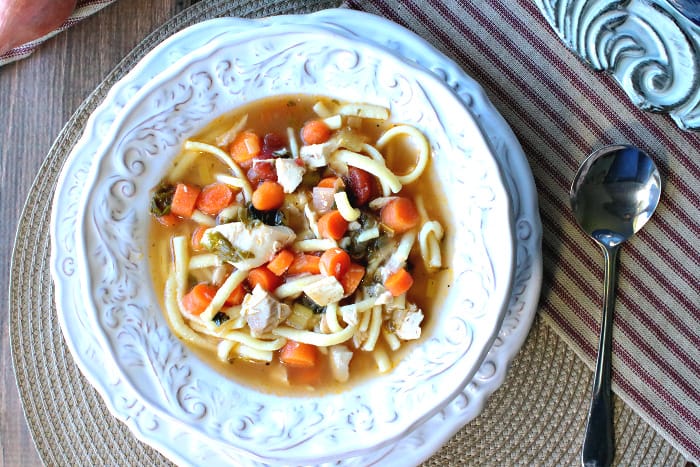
598 444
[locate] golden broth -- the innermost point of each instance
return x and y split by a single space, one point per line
275 115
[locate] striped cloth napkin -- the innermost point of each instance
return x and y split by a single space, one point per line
83 9
561 110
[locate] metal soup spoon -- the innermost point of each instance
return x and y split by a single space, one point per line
614 193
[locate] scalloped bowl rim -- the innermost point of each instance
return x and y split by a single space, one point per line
174 70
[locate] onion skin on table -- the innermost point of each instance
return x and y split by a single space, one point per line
23 21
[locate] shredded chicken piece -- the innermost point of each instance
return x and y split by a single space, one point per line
407 321
263 312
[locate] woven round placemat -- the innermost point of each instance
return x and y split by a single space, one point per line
535 418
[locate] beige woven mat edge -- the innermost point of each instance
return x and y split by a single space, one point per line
535 418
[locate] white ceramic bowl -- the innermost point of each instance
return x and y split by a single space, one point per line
122 307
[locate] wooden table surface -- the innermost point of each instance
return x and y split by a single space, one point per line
37 97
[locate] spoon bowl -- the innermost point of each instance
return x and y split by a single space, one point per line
614 193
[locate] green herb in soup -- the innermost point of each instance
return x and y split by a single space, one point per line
301 251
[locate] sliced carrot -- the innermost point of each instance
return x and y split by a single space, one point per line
268 195
281 262
328 182
399 282
304 263
198 299
263 277
332 225
315 132
214 198
352 278
299 355
334 262
197 235
300 376
237 296
184 199
245 147
400 215
168 220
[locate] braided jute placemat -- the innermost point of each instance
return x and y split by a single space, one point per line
536 418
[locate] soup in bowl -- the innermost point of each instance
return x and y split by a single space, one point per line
300 241
274 261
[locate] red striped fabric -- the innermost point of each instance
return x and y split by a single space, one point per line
561 110
83 9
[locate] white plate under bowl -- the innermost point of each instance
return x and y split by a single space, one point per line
120 393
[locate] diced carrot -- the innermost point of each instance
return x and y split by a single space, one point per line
300 376
237 296
245 147
399 282
328 182
400 215
214 198
263 277
268 195
332 225
334 262
315 132
281 262
184 199
168 220
198 299
352 278
299 355
197 235
304 263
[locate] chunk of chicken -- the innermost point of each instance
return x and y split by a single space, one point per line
317 155
289 174
325 291
407 321
339 358
259 242
263 312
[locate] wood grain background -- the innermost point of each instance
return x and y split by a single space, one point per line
37 97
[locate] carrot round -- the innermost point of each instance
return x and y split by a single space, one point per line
281 262
198 299
332 225
245 147
237 296
315 132
352 278
268 195
168 220
334 262
328 182
399 282
299 355
400 215
263 277
184 200
214 198
197 235
304 263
